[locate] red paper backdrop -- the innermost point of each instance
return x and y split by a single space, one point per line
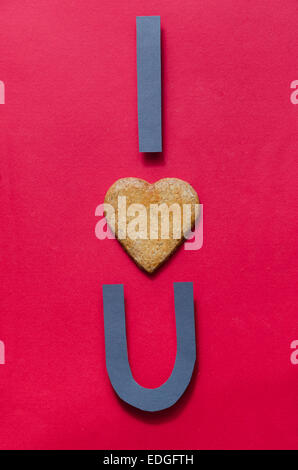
68 131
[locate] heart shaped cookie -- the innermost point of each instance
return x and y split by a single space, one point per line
151 220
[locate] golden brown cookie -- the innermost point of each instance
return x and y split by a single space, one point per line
147 221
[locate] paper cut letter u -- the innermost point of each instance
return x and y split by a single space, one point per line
120 375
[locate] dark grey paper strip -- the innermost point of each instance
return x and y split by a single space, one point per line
149 83
117 363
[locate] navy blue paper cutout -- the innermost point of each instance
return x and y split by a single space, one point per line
149 83
117 363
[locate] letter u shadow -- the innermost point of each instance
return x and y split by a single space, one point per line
117 363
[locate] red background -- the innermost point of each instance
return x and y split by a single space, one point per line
68 130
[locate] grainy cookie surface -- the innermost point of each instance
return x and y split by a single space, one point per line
150 253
